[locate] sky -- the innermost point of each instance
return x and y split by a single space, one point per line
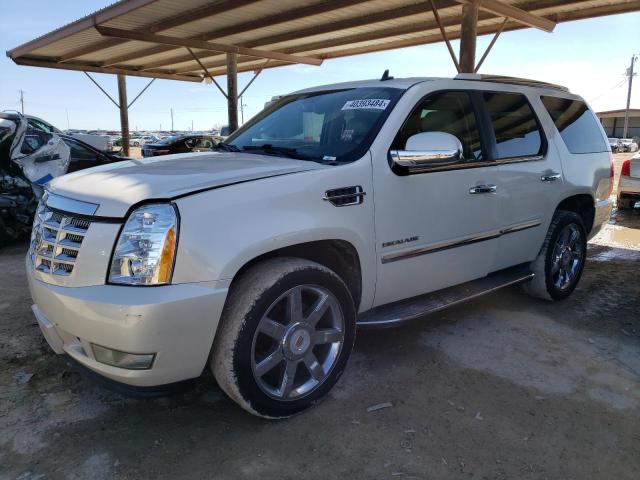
588 56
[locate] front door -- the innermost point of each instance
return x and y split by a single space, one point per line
439 227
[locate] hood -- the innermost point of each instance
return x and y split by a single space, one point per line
115 187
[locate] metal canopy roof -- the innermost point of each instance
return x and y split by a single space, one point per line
161 38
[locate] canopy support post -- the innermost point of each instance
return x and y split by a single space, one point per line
232 91
468 33
124 113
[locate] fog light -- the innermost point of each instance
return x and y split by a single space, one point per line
116 358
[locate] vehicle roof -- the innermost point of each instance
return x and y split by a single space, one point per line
406 83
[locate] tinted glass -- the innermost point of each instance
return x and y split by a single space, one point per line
80 152
515 125
577 125
449 112
336 125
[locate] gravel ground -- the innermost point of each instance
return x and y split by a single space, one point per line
503 387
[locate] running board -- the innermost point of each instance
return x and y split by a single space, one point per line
393 314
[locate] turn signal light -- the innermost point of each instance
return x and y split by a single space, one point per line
626 168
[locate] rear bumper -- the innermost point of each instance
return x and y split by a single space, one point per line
629 186
603 209
177 323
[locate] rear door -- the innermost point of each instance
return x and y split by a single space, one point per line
530 175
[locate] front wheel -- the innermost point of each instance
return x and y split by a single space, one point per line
287 331
560 263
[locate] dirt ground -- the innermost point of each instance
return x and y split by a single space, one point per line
503 387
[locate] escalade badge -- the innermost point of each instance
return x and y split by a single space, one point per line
400 241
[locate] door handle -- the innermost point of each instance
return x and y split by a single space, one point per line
551 177
483 189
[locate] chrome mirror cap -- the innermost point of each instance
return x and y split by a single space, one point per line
427 150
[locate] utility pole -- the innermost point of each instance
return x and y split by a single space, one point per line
242 105
22 101
192 125
172 119
67 110
630 74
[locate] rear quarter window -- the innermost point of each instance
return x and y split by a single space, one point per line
577 125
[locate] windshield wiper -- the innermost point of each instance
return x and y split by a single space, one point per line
270 150
226 147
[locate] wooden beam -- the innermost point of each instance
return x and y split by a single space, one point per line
188 16
90 68
101 16
208 74
253 24
490 46
420 8
215 47
519 15
443 32
468 33
424 28
232 92
124 113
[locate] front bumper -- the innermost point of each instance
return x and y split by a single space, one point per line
177 323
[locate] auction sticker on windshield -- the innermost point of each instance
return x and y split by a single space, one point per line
376 103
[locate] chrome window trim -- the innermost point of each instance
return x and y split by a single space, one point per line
70 205
461 242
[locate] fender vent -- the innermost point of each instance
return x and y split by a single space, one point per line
342 197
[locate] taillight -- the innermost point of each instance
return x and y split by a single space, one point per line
611 174
626 168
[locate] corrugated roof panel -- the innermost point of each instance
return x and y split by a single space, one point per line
363 24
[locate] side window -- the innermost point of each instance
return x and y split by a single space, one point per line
449 112
80 152
34 140
577 125
190 142
515 125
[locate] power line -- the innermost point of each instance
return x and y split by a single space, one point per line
617 85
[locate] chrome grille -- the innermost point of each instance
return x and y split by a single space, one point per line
56 239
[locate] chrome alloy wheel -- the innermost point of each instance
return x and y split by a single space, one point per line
567 257
297 342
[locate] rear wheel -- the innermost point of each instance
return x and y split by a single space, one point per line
560 263
287 331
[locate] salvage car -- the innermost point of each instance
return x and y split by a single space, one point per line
179 144
629 183
261 259
31 154
615 144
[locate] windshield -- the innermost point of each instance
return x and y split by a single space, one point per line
328 126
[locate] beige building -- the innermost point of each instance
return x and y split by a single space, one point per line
613 123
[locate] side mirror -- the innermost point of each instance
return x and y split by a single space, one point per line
427 151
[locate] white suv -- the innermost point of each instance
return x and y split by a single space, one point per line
359 204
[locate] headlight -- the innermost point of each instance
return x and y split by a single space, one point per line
146 248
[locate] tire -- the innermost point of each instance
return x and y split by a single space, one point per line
253 356
549 282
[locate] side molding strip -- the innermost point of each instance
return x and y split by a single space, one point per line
438 247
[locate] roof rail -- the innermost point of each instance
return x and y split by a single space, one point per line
511 80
